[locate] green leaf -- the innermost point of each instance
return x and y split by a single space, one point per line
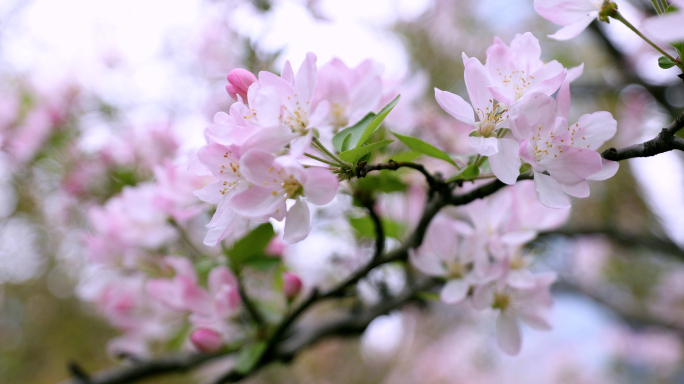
345 143
365 227
383 181
248 356
251 246
665 62
353 155
262 263
468 173
375 123
355 130
405 156
423 147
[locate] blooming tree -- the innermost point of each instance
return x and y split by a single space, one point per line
211 256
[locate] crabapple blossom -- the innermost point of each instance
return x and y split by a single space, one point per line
274 180
206 340
562 156
515 305
292 284
508 74
573 15
239 81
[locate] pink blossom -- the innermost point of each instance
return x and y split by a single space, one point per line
274 181
292 284
239 81
206 340
573 15
515 305
668 27
350 92
450 249
562 156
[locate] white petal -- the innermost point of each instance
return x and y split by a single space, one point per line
297 222
550 192
609 169
454 291
506 162
485 146
574 29
508 333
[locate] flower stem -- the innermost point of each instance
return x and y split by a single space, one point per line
657 7
321 160
618 16
325 151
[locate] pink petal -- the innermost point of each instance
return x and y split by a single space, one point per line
206 340
506 162
305 82
455 106
667 27
548 78
525 52
454 291
580 189
483 297
477 80
550 192
297 222
573 165
572 30
485 146
427 263
321 185
564 12
508 333
534 320
592 130
608 170
257 202
257 166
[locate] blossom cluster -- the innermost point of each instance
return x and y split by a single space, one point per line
256 152
479 250
520 125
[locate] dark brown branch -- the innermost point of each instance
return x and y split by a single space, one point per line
664 142
379 230
146 369
394 165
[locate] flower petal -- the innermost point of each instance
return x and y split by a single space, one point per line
454 291
297 222
506 162
550 191
321 185
455 106
508 333
574 29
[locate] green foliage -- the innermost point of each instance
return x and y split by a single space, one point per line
385 181
419 145
353 155
249 356
366 228
468 173
665 62
362 131
250 248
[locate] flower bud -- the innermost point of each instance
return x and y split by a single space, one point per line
292 284
206 340
239 81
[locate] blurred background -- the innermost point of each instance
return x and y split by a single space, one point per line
81 80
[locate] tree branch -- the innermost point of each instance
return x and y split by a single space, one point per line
664 142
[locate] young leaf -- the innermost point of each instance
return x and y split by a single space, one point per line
468 173
251 246
355 130
345 143
377 120
248 356
365 227
665 62
353 155
423 147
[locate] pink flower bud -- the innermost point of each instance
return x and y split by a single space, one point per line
292 284
276 247
206 340
239 81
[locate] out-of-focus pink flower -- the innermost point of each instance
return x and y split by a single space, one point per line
573 15
668 27
206 340
239 81
515 305
292 285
